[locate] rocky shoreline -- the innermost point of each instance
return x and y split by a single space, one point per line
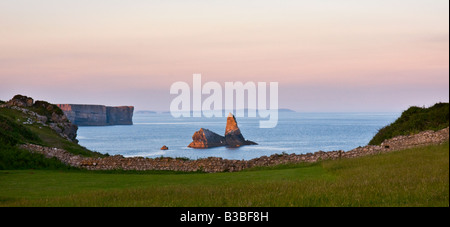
214 164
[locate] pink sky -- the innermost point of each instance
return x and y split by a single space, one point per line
327 55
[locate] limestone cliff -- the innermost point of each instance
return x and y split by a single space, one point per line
98 115
119 115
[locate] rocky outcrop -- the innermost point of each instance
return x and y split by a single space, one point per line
214 164
233 135
20 101
205 138
98 115
44 113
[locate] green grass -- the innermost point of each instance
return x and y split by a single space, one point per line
14 132
414 177
16 158
415 120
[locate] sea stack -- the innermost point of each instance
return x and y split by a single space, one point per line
233 135
205 138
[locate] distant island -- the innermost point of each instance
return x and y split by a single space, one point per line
145 112
284 110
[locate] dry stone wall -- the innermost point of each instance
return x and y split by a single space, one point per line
214 164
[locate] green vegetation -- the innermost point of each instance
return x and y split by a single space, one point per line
414 177
415 120
15 158
14 132
46 109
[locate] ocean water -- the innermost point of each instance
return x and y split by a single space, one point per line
297 133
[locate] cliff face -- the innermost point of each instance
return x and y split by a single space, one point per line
119 115
98 115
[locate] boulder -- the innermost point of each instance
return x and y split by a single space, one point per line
164 147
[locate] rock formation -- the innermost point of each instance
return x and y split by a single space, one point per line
98 115
205 138
20 101
233 136
164 148
44 113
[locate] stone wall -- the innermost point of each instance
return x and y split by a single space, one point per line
214 164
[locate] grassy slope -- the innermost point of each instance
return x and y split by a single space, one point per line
414 120
13 132
414 177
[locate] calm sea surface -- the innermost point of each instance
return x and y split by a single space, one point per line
296 133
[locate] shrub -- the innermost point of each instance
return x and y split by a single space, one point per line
414 120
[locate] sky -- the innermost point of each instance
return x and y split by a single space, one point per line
326 55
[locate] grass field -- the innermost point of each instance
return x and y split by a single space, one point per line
414 177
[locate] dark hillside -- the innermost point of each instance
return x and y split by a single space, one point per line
415 120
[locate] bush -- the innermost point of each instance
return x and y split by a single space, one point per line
415 120
46 109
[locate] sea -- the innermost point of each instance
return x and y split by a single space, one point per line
296 132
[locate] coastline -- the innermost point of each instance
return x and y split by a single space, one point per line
214 164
